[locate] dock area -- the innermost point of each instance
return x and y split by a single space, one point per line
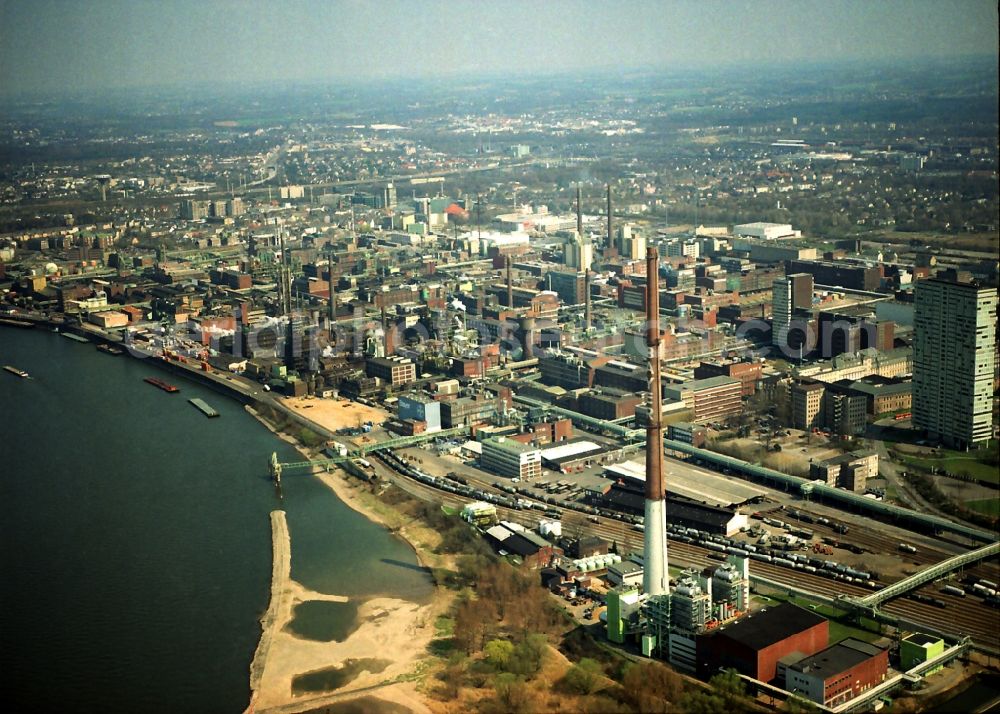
204 408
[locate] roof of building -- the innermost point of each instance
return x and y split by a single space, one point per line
626 567
921 640
771 625
837 658
570 450
710 383
881 388
509 445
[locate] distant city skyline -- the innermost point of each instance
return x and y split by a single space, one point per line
56 46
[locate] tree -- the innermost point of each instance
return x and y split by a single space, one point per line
498 653
798 705
652 687
527 657
513 695
584 677
471 622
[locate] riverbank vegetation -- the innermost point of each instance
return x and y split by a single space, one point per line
505 644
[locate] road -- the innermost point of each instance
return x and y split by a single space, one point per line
893 474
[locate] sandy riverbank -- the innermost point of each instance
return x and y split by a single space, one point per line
281 568
395 632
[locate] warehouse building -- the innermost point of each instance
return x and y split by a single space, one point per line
533 551
568 456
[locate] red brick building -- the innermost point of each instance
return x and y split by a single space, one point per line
838 673
754 645
749 373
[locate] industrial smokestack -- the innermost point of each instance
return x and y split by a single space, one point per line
654 577
586 312
385 334
333 296
510 286
610 242
579 214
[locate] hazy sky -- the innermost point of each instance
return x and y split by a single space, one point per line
65 44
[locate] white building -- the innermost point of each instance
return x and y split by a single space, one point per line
954 351
766 231
578 253
507 457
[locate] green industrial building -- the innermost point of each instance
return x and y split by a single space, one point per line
918 648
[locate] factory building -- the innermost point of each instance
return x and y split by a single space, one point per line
626 574
754 645
506 457
766 231
838 673
838 274
511 539
420 408
394 370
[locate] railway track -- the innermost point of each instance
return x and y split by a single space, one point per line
961 616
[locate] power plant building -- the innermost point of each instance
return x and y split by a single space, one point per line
754 645
839 673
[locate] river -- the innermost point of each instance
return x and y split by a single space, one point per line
135 560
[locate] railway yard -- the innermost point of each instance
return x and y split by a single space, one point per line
828 563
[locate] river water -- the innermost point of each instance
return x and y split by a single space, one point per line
136 545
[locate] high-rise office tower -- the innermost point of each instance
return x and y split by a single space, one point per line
954 353
788 294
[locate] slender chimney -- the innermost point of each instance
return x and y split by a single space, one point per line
610 241
333 294
579 214
586 312
654 577
510 286
385 334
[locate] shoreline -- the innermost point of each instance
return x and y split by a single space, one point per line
401 627
281 570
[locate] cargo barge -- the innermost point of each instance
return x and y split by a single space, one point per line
204 408
23 324
110 349
75 338
161 384
15 371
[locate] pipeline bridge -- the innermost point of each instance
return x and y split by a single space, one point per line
870 603
277 469
777 479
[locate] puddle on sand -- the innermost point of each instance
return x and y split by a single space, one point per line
324 621
331 678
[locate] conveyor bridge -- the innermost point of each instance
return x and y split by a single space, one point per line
277 469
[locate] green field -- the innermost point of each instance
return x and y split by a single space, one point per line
840 629
957 464
988 506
